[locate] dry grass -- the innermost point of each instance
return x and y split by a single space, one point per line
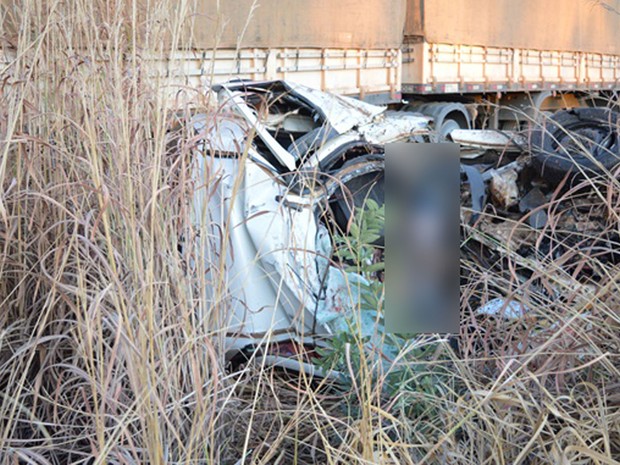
108 353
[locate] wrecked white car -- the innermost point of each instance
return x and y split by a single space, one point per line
279 167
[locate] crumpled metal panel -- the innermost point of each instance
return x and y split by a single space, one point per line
342 113
276 275
268 254
395 126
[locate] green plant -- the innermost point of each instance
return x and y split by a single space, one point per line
359 357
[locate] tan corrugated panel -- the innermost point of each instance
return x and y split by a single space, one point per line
303 23
571 25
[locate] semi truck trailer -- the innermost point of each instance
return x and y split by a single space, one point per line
466 63
528 55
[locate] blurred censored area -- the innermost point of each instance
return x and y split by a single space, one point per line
422 238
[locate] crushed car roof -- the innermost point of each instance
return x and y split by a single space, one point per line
342 113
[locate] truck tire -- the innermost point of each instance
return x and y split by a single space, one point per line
447 116
362 178
556 148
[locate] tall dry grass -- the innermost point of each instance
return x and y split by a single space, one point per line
110 354
107 354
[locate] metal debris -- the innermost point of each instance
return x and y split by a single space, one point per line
510 234
476 186
532 203
273 162
264 214
580 142
488 139
505 308
504 189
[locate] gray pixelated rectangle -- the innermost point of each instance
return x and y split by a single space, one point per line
422 196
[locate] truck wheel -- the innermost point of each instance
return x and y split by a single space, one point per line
447 116
360 179
583 137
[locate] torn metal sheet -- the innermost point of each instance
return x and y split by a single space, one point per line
489 139
531 202
476 186
518 165
469 153
395 126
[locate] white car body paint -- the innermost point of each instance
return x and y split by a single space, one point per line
271 256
